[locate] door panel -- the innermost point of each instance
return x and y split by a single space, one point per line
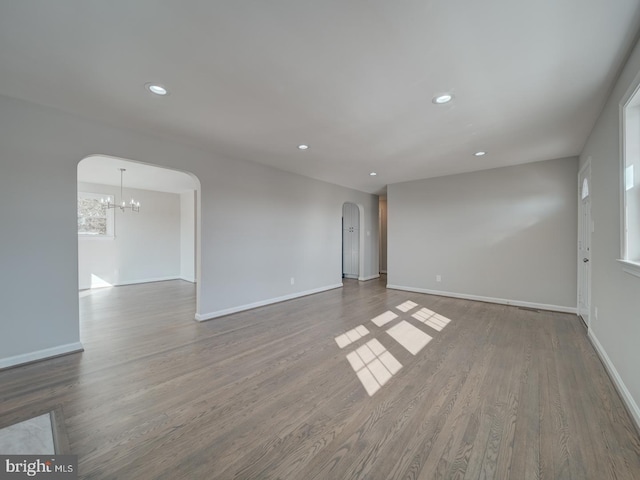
350 240
584 245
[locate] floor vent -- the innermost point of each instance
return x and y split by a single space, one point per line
529 309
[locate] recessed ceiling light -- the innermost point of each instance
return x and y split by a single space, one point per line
157 89
373 174
303 147
480 154
442 98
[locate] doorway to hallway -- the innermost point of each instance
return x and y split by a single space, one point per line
350 241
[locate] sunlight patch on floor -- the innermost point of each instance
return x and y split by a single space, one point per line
410 337
373 365
97 282
385 318
433 319
406 306
351 336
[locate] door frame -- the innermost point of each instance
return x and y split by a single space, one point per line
584 268
361 238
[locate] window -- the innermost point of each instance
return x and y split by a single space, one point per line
94 219
630 181
585 189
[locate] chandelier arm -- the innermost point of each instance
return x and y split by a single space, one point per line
122 205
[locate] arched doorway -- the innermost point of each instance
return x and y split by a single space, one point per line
118 245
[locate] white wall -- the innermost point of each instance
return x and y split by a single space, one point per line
146 245
188 236
259 226
615 294
507 234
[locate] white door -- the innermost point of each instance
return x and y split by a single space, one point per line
350 240
584 244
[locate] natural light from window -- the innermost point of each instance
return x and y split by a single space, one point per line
630 170
585 189
373 364
97 282
94 220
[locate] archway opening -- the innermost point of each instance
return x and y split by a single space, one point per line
137 224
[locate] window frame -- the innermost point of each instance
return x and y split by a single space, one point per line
109 213
628 266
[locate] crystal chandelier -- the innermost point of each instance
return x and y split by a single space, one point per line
133 205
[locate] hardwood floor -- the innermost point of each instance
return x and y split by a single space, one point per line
497 393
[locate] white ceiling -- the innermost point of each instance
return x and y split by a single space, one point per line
252 79
106 170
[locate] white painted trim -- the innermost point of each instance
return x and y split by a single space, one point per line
146 280
370 277
221 313
40 355
135 282
631 268
190 280
502 301
353 277
631 92
624 393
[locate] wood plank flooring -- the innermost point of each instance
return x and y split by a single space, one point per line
497 393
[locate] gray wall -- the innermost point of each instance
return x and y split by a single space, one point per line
146 245
507 234
259 226
614 293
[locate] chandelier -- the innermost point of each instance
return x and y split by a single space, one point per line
132 205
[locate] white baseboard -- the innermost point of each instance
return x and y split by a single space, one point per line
221 313
502 301
628 400
135 282
145 280
190 280
40 355
370 277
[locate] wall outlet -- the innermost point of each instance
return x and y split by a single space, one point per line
293 280
438 278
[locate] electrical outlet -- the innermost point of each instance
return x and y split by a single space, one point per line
293 280
438 278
